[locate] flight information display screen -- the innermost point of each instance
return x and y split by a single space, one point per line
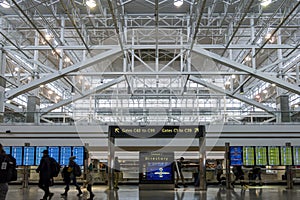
261 156
39 154
236 156
54 153
296 153
65 154
28 158
273 156
17 153
286 156
79 153
248 156
7 150
157 167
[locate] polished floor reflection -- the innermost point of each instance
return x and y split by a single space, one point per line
132 192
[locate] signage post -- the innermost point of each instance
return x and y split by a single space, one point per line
288 168
25 172
148 179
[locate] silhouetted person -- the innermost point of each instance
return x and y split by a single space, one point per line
44 170
69 175
178 170
116 173
239 175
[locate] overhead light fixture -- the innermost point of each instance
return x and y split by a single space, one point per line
178 3
265 3
233 76
265 91
4 4
48 36
91 3
273 84
248 58
50 92
296 106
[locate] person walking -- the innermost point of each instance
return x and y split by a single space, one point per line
69 174
3 181
239 175
219 171
89 182
44 170
116 173
178 170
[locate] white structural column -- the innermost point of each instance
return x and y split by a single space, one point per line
2 85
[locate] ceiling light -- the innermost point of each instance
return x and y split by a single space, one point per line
17 69
57 97
265 3
8 101
91 3
41 86
47 36
257 96
50 92
67 59
5 4
265 91
248 58
227 83
273 84
178 3
232 76
296 106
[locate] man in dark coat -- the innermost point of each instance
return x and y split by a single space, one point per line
44 169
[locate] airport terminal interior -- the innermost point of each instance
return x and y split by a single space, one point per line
185 93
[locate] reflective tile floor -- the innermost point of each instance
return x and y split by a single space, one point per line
189 193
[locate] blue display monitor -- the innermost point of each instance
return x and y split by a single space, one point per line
65 154
7 150
236 156
156 168
54 153
39 154
17 153
159 171
28 158
79 153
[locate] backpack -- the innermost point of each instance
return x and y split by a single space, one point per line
77 170
8 170
55 167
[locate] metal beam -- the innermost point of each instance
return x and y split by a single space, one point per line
44 80
256 73
235 96
84 94
149 46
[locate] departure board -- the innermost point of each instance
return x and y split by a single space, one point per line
54 153
261 156
17 153
236 156
7 150
296 152
248 156
65 154
273 156
79 153
286 156
28 158
39 154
